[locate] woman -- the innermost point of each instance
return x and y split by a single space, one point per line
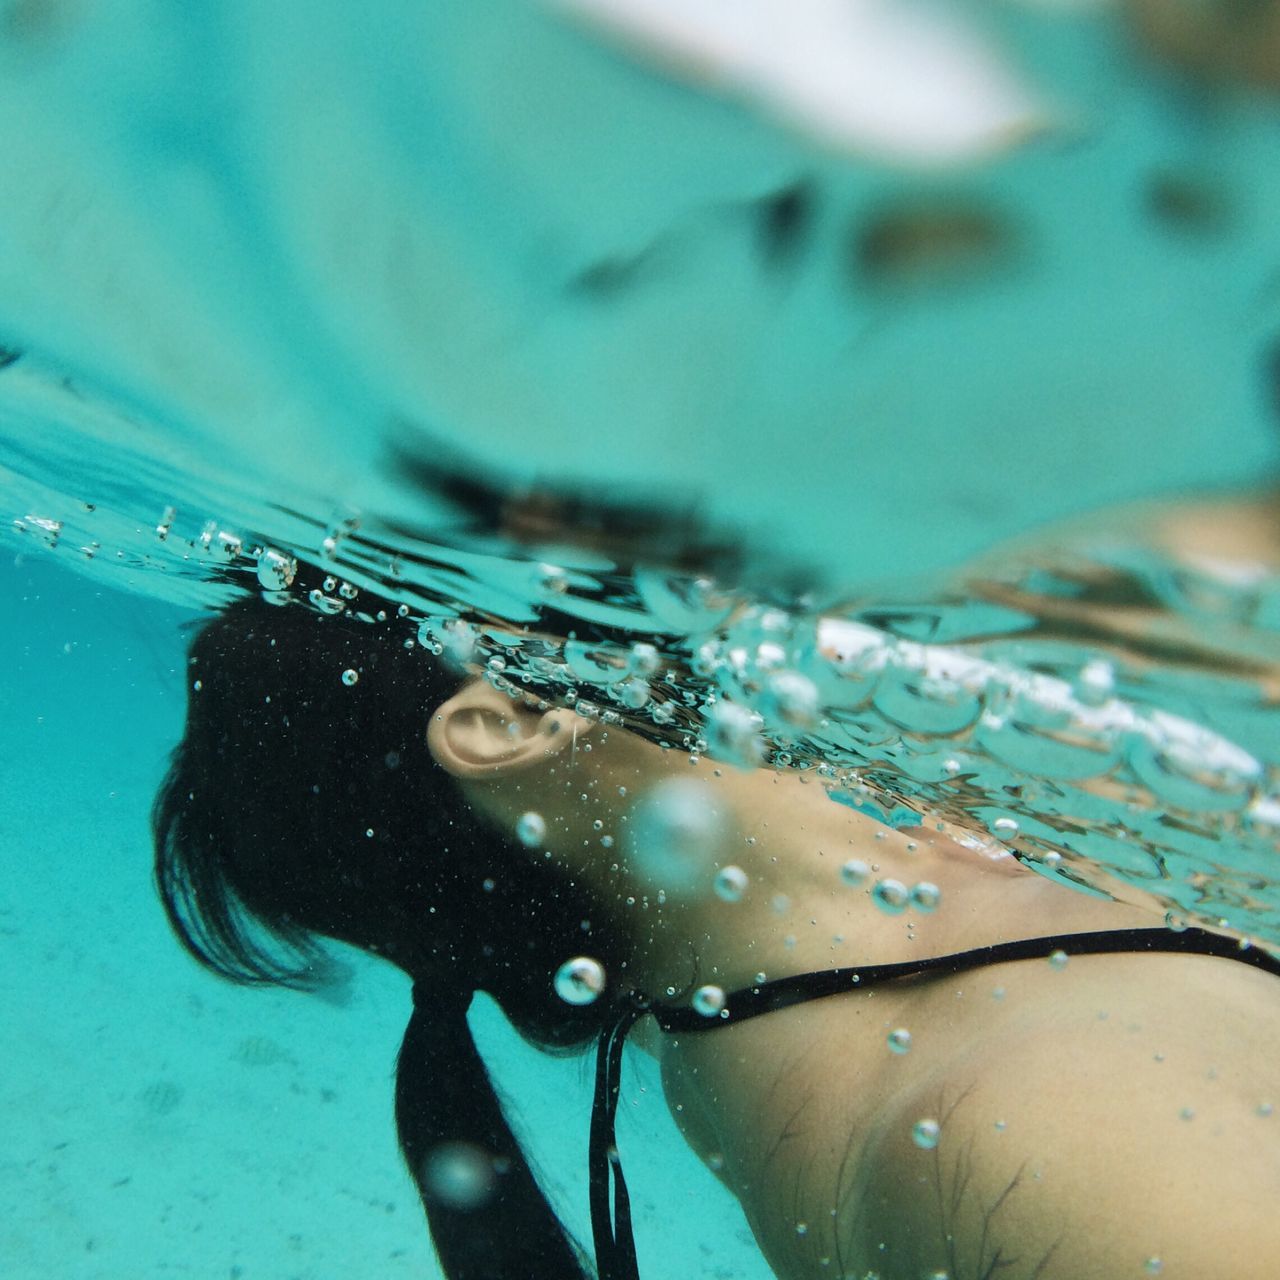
1053 1117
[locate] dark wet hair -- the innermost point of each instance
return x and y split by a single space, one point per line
303 804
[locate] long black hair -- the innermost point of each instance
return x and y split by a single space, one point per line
302 803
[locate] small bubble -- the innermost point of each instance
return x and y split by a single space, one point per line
1153 1266
708 1001
1174 922
606 842
531 830
1051 860
891 896
276 571
794 697
580 980
633 694
459 1175
802 1228
761 978
597 825
644 659
731 883
925 1134
951 766
497 663
489 884
1058 959
1187 1113
855 872
1006 827
925 896
1265 1109
780 903
899 1040
350 676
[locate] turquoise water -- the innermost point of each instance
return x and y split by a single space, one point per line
470 312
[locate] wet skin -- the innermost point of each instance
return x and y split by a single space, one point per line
1091 1117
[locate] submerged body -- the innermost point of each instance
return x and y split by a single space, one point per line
1093 1118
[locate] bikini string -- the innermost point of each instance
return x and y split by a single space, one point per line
782 993
614 1241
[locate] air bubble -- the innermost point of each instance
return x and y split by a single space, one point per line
458 1175
673 834
580 980
531 830
644 659
855 872
1153 1266
731 883
350 676
899 1040
925 896
925 1134
733 735
1006 828
1058 959
708 1001
891 896
275 571
794 698
633 693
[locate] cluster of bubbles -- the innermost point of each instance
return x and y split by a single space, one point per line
1085 765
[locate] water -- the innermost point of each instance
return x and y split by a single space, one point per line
978 536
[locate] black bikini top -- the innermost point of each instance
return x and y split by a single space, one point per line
614 1244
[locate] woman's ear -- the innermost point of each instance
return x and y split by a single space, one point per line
481 733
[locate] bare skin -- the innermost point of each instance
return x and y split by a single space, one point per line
1092 1117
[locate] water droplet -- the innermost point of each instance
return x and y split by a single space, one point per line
459 1175
855 872
925 1134
531 830
925 896
1058 959
899 1040
350 676
276 571
708 1000
580 980
891 896
731 883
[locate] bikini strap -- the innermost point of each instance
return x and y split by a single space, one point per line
782 993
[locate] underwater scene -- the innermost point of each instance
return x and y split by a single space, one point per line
640 638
